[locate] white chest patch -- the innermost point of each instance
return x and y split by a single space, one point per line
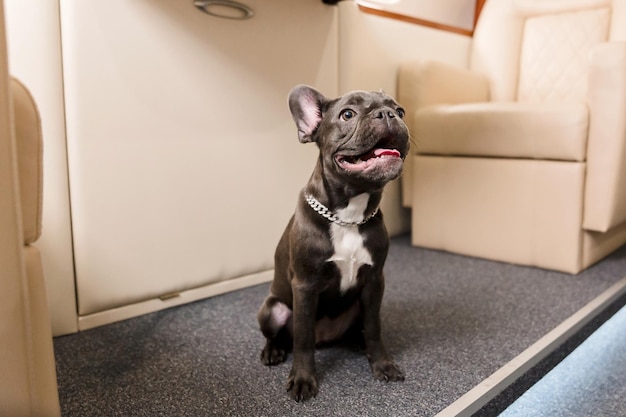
350 254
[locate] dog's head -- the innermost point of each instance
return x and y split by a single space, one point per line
361 135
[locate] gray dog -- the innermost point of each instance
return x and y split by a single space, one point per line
329 261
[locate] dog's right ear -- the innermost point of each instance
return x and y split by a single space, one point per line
305 104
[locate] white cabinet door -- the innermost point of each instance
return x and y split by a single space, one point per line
184 162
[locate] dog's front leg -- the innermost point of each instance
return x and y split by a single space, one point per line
383 368
302 383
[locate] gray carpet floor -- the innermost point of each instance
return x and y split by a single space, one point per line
449 322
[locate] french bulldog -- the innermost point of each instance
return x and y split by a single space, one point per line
329 261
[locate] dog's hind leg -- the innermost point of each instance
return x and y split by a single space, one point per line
275 320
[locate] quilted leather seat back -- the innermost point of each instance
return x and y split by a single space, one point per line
555 54
542 52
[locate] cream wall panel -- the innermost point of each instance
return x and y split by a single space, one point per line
371 49
35 58
184 161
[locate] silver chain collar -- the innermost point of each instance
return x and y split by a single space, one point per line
327 214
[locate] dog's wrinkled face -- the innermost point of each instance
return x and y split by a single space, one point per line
361 135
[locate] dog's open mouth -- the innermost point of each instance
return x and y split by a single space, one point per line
366 160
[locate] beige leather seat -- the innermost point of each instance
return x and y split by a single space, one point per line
28 385
522 156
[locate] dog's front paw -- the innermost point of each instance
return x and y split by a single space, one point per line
386 370
302 385
273 355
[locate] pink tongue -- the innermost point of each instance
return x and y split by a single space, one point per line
381 152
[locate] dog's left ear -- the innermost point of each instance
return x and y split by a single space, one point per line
305 104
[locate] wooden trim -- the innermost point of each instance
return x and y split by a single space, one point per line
415 20
478 10
424 22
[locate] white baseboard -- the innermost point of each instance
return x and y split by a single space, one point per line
149 306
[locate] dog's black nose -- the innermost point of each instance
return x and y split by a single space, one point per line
382 113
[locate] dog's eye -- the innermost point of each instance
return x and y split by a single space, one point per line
400 112
347 114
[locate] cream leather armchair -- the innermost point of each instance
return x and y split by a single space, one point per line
28 385
522 156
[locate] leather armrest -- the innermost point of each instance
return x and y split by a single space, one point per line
29 144
605 188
